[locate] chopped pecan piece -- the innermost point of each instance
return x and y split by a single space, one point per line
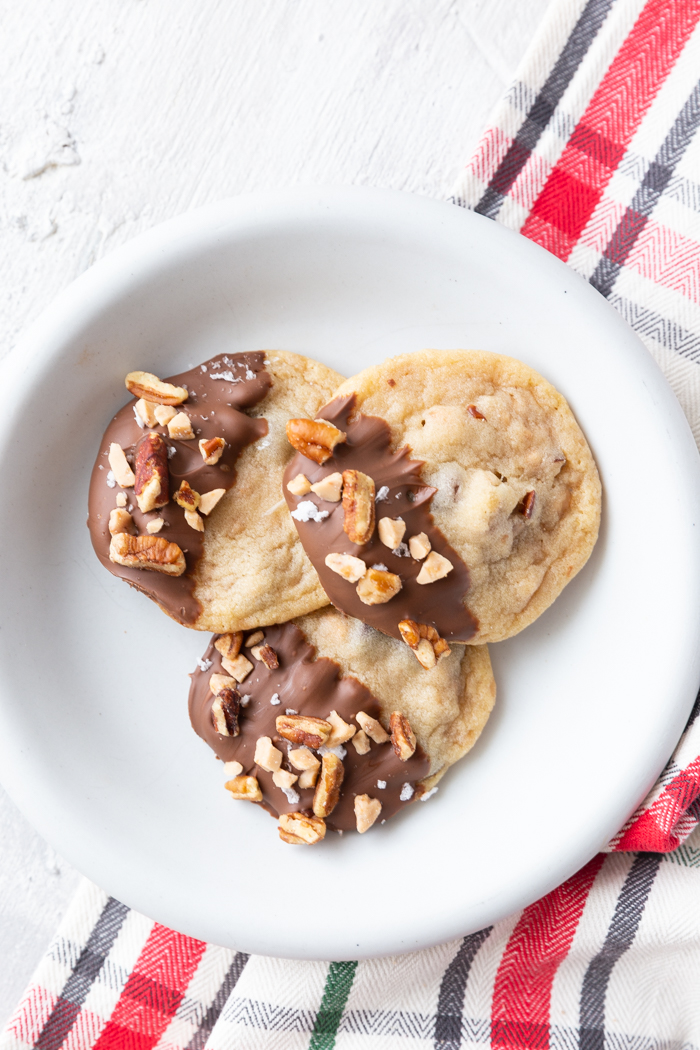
299 485
245 788
341 733
180 427
212 450
254 639
304 729
347 566
120 521
154 525
186 497
314 438
120 468
374 729
208 500
419 546
329 488
435 567
269 657
145 410
194 520
358 506
403 739
229 644
267 755
298 830
426 643
329 784
391 531
147 552
378 586
366 812
151 388
233 769
526 505
152 485
164 413
225 711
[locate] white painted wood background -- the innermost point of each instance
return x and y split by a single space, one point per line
118 114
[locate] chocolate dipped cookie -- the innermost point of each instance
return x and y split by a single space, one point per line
328 723
185 496
474 537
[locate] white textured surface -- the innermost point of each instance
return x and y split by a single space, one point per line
116 117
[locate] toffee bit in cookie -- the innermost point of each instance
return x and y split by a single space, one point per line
367 811
373 728
419 546
361 743
164 413
377 587
180 427
308 511
474 411
341 732
121 471
145 413
347 566
299 485
208 500
435 567
329 488
267 756
391 531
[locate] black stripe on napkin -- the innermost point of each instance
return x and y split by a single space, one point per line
218 1002
621 933
448 1020
540 113
90 962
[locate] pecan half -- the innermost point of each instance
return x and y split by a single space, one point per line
186 497
314 438
225 711
212 450
366 812
358 506
152 485
403 739
151 388
245 788
304 729
329 784
298 830
147 552
378 586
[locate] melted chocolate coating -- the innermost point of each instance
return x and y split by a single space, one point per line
214 407
308 686
368 448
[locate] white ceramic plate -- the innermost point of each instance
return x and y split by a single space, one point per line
95 742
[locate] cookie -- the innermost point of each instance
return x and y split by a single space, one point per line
497 512
393 730
214 546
